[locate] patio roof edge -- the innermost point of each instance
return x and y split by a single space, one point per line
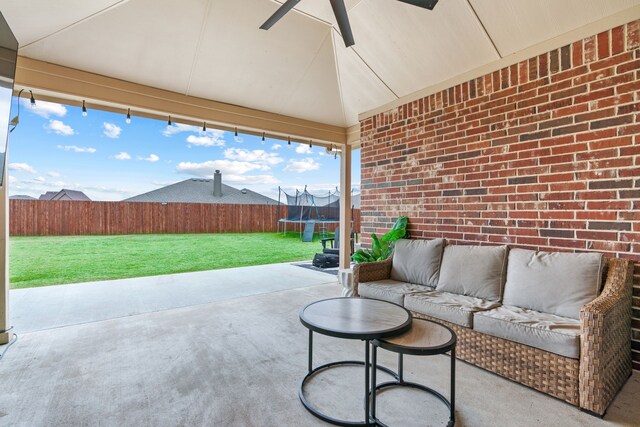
71 86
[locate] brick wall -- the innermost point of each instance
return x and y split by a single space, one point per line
543 154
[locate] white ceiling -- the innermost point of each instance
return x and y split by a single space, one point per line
214 49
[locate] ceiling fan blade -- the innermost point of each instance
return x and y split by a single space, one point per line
340 11
282 10
426 4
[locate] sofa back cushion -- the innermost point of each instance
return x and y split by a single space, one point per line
417 261
552 282
477 271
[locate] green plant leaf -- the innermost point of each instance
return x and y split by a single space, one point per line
382 248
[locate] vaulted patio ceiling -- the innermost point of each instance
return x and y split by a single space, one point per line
300 68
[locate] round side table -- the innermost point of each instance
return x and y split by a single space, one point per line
351 318
425 338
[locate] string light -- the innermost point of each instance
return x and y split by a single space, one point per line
169 121
289 140
236 132
310 145
262 136
16 120
128 120
204 127
84 109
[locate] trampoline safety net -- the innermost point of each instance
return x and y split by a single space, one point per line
303 207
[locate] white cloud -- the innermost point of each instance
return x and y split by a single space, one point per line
152 158
300 166
77 149
208 138
228 167
111 130
45 109
39 179
13 179
122 156
250 179
258 156
303 149
22 167
178 128
238 139
213 139
276 146
54 174
59 128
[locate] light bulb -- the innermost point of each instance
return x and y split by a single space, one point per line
128 120
84 109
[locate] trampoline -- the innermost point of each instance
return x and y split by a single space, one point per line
304 208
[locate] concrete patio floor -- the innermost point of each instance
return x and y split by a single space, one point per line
233 357
34 309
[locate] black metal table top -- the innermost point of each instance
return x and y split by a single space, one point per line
356 318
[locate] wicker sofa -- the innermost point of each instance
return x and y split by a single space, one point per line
587 375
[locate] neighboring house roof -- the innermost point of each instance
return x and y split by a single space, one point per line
21 197
65 194
201 191
48 195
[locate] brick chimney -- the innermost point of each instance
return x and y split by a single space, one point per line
217 184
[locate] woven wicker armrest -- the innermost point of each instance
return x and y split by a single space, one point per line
370 271
605 356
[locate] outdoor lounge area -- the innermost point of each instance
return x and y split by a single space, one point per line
206 364
503 135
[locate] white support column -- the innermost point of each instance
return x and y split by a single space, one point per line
4 257
345 273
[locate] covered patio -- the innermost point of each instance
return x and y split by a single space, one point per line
236 361
484 122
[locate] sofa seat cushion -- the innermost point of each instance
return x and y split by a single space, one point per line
477 271
559 335
389 290
552 282
452 308
417 261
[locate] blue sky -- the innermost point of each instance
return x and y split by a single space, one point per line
55 147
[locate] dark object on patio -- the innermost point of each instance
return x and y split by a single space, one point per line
335 243
325 260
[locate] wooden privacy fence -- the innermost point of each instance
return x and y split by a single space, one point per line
63 218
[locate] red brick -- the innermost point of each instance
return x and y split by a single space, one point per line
603 44
633 35
617 40
576 52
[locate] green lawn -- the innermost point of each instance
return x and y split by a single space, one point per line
41 261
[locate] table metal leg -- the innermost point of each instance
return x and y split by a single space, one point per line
400 367
310 350
374 364
452 398
367 386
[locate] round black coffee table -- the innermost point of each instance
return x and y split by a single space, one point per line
425 338
351 318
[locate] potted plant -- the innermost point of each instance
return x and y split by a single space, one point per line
382 247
